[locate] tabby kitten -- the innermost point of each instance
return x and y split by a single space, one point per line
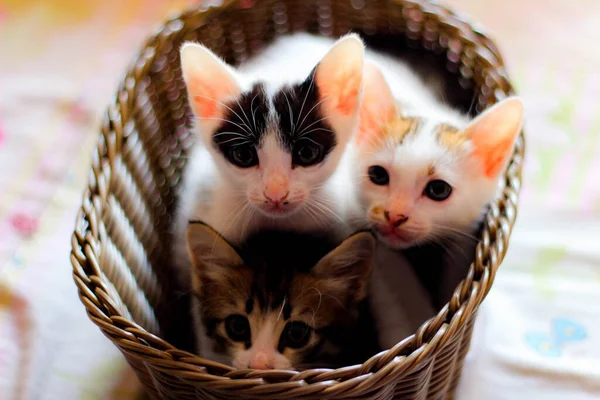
282 300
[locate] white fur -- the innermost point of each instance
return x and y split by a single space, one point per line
263 353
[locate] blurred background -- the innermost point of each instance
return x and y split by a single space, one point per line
60 63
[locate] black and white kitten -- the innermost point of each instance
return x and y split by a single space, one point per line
271 133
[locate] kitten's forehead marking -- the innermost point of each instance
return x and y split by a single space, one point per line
245 120
449 136
401 128
431 170
301 116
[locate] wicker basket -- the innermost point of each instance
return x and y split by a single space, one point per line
120 255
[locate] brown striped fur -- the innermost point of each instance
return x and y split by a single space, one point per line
278 277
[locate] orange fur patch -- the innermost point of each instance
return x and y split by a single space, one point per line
450 137
398 129
431 170
377 213
395 131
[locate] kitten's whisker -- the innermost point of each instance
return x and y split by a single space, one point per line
237 214
253 112
307 138
281 309
304 133
312 124
312 81
243 112
319 203
318 212
244 141
445 243
457 231
326 214
318 305
230 133
311 110
290 110
248 213
309 210
246 130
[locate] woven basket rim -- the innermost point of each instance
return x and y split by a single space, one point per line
400 360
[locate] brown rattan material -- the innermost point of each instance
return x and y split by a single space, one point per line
121 242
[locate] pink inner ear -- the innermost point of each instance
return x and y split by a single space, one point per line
492 155
493 135
206 99
371 125
378 106
341 90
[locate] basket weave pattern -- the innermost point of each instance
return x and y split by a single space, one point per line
120 246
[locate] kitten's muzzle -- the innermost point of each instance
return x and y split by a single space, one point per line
261 360
276 190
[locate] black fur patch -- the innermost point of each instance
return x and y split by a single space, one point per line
244 121
299 121
249 306
300 118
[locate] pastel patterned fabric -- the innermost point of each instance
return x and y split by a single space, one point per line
538 333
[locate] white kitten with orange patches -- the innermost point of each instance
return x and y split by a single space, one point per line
423 173
428 173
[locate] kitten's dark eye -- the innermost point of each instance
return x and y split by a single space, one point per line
438 190
238 328
243 156
378 175
307 154
296 334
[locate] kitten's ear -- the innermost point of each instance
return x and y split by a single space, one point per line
212 256
344 272
210 82
493 135
339 76
378 105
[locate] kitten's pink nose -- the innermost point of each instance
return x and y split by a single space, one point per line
395 219
276 190
260 361
277 198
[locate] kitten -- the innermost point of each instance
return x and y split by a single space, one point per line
271 133
426 171
282 300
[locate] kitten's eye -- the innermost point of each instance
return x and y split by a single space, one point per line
243 156
307 154
238 328
378 175
296 334
438 190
